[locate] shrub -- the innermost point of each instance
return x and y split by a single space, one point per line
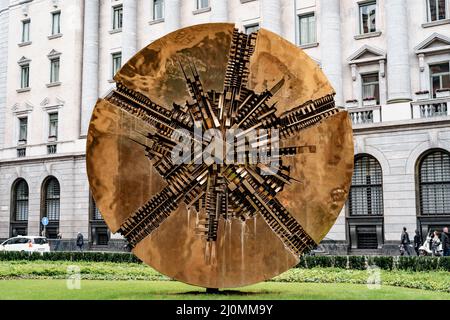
407 263
319 261
444 263
340 262
382 262
357 262
70 256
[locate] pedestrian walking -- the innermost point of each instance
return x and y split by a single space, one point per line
445 240
436 246
80 241
417 242
404 243
58 241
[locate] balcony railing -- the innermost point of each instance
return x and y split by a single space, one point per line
365 115
430 108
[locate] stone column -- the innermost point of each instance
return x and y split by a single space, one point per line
330 43
89 86
4 19
172 15
219 10
398 68
129 30
271 15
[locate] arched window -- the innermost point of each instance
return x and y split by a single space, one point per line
21 201
434 183
19 216
51 206
366 192
52 195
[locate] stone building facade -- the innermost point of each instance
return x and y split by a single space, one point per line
388 61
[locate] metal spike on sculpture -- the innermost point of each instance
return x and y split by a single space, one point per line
230 212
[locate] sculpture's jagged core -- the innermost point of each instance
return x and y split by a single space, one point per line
232 190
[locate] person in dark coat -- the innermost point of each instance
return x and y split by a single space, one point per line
80 241
404 242
417 242
445 240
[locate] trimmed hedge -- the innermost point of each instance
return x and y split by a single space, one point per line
413 263
94 256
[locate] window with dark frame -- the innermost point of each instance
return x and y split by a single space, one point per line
99 229
26 30
366 191
23 129
307 26
25 76
56 22
53 125
367 17
434 183
116 62
436 10
371 87
54 70
117 17
21 201
202 4
251 28
52 200
440 77
158 9
96 215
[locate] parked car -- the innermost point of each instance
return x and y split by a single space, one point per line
26 244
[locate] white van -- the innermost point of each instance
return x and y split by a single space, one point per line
26 243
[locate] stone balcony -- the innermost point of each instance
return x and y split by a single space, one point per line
365 115
430 108
436 109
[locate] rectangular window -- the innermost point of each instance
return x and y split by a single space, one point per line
117 17
367 17
371 87
53 125
26 31
201 4
54 70
436 10
96 212
251 28
158 9
25 76
56 22
440 77
307 25
23 128
116 62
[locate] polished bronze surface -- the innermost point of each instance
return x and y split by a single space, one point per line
222 222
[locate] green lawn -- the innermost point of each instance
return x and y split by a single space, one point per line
103 289
106 280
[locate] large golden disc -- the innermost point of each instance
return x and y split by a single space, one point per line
209 224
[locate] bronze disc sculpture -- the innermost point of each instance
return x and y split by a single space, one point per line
233 217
